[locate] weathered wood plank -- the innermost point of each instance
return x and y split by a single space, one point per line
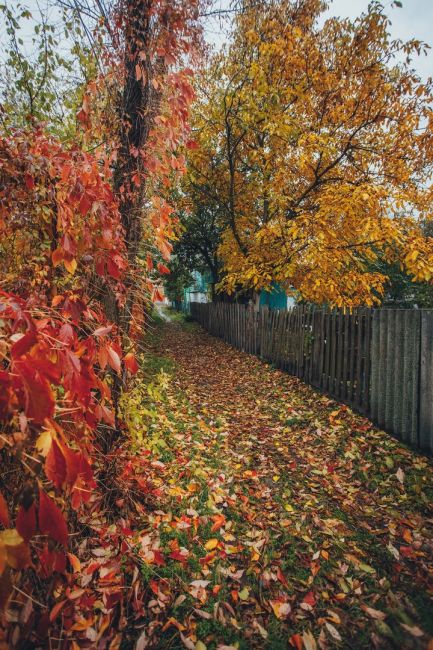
426 382
388 419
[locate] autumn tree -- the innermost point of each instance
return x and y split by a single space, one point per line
316 143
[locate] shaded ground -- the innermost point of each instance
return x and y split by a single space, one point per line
279 518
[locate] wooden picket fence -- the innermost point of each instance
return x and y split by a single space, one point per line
378 361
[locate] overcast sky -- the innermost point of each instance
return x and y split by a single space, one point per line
413 20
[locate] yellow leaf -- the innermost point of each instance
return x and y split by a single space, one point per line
11 537
71 265
44 442
211 544
200 646
244 593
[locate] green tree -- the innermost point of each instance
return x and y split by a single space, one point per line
197 247
47 62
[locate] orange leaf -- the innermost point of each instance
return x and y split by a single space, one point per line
57 256
162 268
75 562
51 519
56 610
130 363
219 521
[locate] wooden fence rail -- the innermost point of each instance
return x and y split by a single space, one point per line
378 361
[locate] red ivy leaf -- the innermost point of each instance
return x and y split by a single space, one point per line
24 344
39 398
26 522
55 465
4 512
51 519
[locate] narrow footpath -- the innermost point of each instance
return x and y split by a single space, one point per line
280 518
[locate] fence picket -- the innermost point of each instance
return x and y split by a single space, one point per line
378 361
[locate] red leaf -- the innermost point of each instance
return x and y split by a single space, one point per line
282 578
57 256
51 519
162 268
39 398
85 204
24 344
191 144
130 363
149 263
29 181
66 334
113 269
179 556
157 295
310 599
4 512
296 641
50 561
26 522
55 465
113 359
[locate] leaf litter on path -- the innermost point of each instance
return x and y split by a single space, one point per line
278 518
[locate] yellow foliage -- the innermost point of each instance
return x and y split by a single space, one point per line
318 150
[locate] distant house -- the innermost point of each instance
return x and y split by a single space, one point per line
200 291
276 298
197 292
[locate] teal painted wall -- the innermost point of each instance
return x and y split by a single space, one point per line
275 299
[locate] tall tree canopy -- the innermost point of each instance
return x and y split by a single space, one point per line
315 140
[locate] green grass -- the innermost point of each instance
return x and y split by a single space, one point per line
153 364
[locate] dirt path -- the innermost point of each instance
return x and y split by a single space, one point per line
282 520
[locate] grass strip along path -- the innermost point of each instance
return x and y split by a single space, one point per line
277 517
